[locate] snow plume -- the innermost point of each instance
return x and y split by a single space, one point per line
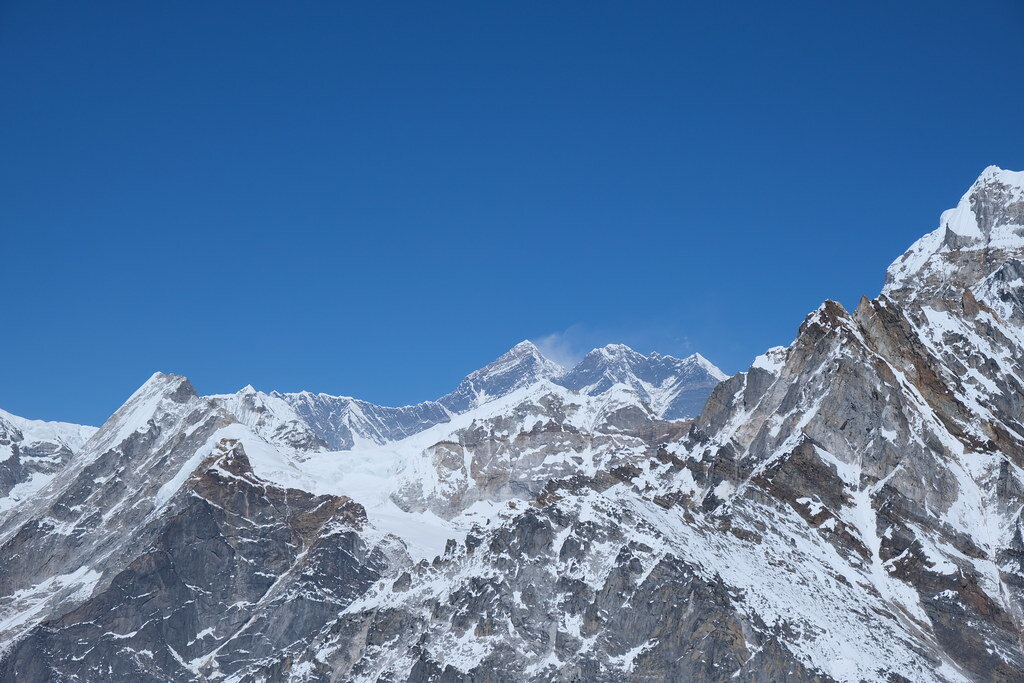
568 347
563 347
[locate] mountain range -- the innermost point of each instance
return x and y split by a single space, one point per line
850 508
672 388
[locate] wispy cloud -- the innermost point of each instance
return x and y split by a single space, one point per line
561 347
567 347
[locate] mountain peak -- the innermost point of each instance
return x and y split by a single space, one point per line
73 435
1002 175
617 352
525 347
675 388
523 352
163 394
988 204
972 241
175 387
705 364
518 367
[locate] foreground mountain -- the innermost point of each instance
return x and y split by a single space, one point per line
850 508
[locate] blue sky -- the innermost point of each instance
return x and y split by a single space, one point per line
376 198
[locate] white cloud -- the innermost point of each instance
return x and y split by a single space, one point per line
559 347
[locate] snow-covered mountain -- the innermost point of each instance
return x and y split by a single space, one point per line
850 508
674 389
112 513
521 366
31 451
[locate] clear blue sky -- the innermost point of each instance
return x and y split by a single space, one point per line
376 198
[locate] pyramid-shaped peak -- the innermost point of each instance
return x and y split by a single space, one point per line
525 346
520 366
524 349
524 354
176 387
706 365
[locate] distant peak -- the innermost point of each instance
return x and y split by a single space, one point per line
707 365
525 347
674 388
615 352
525 352
617 348
520 366
699 359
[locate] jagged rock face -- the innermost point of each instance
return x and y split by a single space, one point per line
234 570
75 531
865 434
896 431
850 508
552 597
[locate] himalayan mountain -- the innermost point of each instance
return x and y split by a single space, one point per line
849 508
